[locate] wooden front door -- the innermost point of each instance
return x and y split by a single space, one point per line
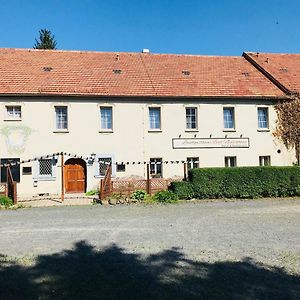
75 176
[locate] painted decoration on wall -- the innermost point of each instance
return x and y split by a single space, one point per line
16 137
190 143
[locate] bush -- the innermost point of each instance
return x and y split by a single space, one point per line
6 202
183 189
139 195
165 197
242 182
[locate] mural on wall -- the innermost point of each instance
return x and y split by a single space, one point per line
16 137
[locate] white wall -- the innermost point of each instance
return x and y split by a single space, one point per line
131 139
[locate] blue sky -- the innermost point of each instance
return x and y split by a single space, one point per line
212 27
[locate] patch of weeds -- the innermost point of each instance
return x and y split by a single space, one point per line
139 195
6 202
91 193
165 197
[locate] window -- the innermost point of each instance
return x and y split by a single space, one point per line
121 168
45 168
156 167
263 118
265 160
15 170
154 118
26 171
191 117
106 118
230 161
61 117
228 118
13 112
103 164
192 162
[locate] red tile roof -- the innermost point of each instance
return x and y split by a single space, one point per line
284 69
55 72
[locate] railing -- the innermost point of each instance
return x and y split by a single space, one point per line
105 184
3 189
11 185
151 186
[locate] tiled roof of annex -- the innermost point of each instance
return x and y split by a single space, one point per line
85 73
284 69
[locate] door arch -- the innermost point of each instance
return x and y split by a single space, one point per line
75 175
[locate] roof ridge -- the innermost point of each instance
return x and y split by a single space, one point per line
117 52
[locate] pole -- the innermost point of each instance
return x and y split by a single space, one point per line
62 178
148 181
184 171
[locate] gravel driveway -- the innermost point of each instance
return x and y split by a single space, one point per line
264 231
268 230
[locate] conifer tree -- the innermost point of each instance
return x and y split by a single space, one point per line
45 41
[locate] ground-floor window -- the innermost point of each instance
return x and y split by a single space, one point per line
121 167
45 168
103 164
15 169
265 160
156 167
230 161
192 162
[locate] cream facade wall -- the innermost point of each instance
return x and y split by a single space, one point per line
131 138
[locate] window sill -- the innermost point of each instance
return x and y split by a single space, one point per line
229 130
154 130
12 119
106 131
61 131
191 130
263 130
44 178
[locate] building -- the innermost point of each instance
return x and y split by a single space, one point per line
100 108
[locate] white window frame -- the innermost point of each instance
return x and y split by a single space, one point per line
227 162
155 167
7 117
55 118
160 119
112 118
196 120
234 118
105 155
38 176
262 160
268 118
192 161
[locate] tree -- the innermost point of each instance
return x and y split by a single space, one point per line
288 124
46 40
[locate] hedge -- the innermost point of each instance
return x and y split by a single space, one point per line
240 182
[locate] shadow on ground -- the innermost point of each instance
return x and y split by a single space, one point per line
85 273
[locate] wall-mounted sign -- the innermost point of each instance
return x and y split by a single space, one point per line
190 143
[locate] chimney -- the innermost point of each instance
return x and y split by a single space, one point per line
145 51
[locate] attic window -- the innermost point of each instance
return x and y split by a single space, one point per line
246 74
186 73
117 71
47 69
285 70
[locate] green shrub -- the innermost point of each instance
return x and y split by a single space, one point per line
139 195
165 197
6 202
241 182
183 189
